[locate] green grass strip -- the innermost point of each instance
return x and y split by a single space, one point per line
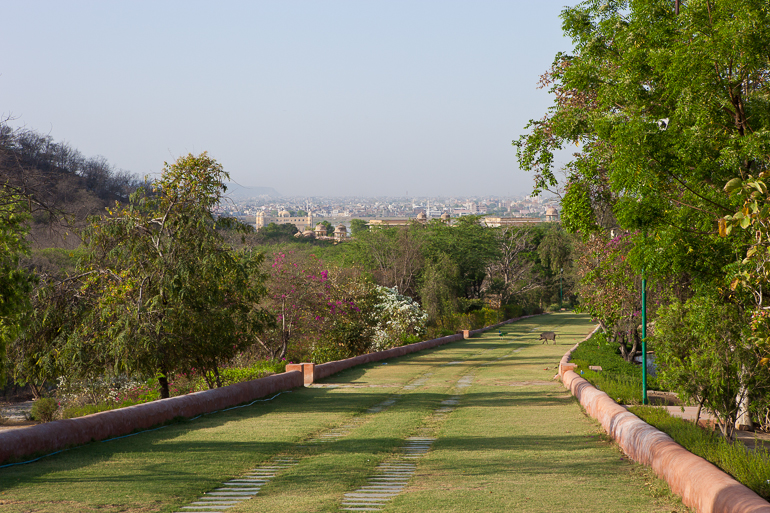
752 468
516 441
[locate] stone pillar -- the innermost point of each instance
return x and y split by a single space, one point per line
466 334
307 370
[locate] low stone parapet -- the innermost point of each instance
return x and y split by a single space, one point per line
53 436
57 435
702 486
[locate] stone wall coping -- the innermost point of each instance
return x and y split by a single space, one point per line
61 434
702 485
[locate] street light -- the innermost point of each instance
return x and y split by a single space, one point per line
644 338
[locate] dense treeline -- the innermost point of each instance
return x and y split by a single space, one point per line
159 289
667 107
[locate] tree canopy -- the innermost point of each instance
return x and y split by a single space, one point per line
668 112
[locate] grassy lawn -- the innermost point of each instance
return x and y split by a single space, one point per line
516 441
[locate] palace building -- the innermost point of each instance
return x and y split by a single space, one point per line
302 223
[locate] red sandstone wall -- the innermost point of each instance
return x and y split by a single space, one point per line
52 436
701 485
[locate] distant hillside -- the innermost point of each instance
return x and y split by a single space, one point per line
63 186
240 192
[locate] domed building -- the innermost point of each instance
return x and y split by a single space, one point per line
320 230
340 233
551 215
446 218
422 217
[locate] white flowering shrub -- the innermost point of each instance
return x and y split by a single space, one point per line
79 392
399 318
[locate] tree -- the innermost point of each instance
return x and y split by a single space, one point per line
167 294
394 255
669 110
704 354
471 246
276 232
15 282
298 296
357 226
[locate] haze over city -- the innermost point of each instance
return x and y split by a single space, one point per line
336 98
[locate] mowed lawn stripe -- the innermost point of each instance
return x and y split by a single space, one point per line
490 442
519 442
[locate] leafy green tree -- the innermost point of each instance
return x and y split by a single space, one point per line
357 226
659 104
703 354
471 246
668 110
15 282
167 293
438 289
276 232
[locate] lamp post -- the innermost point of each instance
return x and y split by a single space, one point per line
644 339
561 290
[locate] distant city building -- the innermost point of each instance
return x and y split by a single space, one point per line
497 222
551 215
421 218
340 233
284 216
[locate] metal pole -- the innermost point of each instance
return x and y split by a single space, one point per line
644 340
561 290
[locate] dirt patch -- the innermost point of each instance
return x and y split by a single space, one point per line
524 383
658 398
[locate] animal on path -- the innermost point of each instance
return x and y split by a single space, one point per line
548 335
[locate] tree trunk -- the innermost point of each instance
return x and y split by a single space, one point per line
163 382
697 412
634 335
620 338
35 390
216 374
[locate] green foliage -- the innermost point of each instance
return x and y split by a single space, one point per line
619 379
44 409
166 293
357 226
273 233
15 282
749 467
703 355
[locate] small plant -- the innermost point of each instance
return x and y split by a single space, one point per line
44 409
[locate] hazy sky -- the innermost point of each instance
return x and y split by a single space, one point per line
309 97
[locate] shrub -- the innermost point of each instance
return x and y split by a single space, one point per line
619 379
512 311
44 409
329 353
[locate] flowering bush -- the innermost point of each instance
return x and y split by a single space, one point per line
400 317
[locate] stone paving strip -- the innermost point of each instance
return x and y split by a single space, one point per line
239 489
391 478
243 488
393 474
